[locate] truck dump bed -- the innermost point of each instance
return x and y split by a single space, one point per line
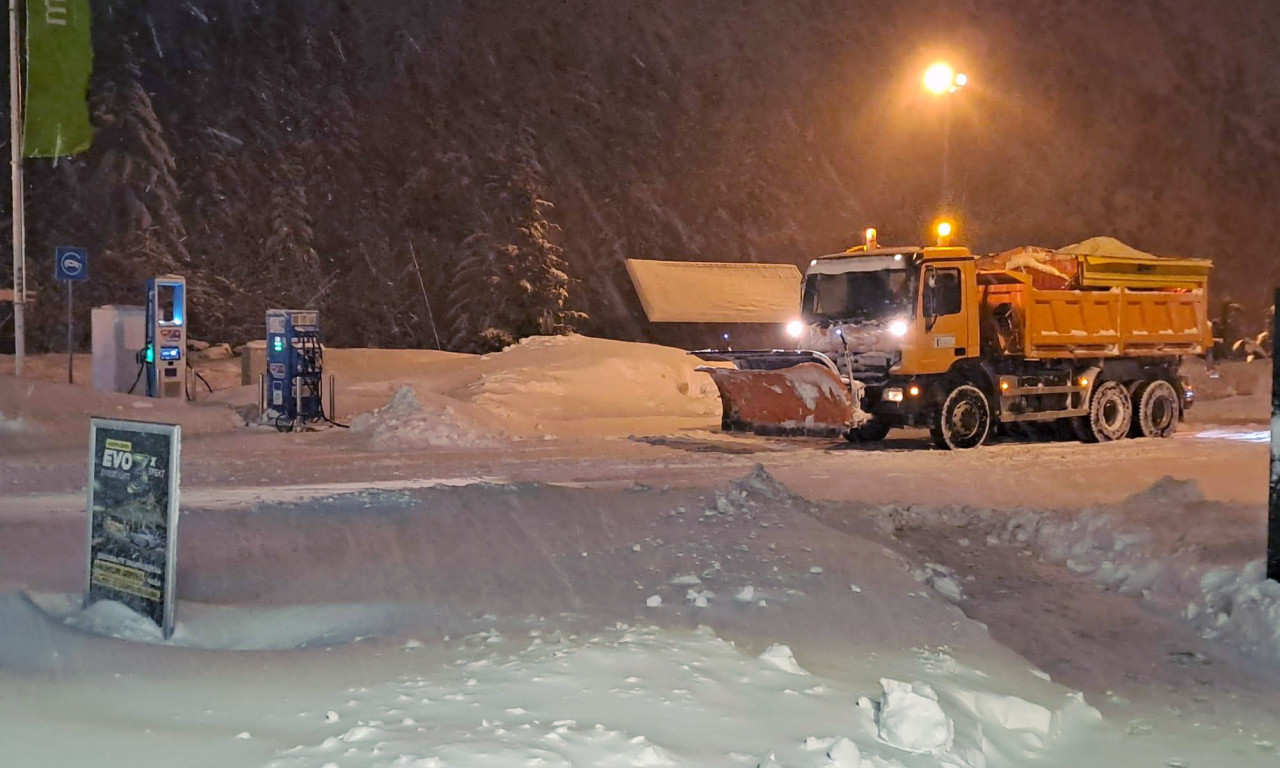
1038 303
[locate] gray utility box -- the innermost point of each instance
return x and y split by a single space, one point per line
118 333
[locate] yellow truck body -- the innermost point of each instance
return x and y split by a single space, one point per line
1090 337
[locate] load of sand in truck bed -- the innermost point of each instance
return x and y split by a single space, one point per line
1100 262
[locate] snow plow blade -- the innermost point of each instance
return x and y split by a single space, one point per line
780 393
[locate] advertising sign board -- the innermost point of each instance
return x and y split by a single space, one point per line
133 516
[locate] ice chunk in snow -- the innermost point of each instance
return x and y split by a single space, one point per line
948 589
854 588
686 581
817 569
244 735
845 754
331 717
911 719
654 601
781 657
746 594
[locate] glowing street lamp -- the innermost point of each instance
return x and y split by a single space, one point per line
942 78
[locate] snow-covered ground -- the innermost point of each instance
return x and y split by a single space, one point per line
443 586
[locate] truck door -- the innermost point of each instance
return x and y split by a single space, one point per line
946 332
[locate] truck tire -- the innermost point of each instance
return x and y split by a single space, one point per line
1155 409
872 432
1110 414
963 421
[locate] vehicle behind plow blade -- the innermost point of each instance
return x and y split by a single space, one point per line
782 393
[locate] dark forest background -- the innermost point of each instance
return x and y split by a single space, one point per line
499 160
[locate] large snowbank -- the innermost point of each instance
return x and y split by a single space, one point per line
571 378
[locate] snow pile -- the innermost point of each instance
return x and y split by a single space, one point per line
115 619
647 697
571 378
404 424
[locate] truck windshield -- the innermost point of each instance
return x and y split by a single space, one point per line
878 295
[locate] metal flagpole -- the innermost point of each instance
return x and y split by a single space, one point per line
1273 514
15 167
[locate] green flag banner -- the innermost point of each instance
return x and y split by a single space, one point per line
59 59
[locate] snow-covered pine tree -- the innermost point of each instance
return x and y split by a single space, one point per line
510 282
142 228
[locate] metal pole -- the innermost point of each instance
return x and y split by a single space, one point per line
15 167
70 356
946 152
333 412
1273 516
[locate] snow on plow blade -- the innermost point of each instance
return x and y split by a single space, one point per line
803 396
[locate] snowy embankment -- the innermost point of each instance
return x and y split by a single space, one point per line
500 624
1166 546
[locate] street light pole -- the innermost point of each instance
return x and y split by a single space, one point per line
943 81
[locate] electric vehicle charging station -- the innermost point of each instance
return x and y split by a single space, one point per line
165 354
292 390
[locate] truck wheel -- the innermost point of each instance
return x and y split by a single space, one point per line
963 421
872 432
1110 413
1155 405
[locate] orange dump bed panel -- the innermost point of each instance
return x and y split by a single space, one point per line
1021 320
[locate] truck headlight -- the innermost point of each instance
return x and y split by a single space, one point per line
893 395
898 328
795 328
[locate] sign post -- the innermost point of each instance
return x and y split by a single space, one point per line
133 516
1273 514
71 266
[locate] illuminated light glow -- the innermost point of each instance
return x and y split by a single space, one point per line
913 390
1084 381
869 237
897 257
893 395
961 80
940 78
1004 385
795 328
944 229
898 328
811 263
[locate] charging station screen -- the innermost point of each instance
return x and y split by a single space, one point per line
164 303
170 353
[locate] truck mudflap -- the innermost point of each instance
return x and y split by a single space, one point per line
778 392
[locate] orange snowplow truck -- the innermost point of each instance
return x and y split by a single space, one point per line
1088 340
